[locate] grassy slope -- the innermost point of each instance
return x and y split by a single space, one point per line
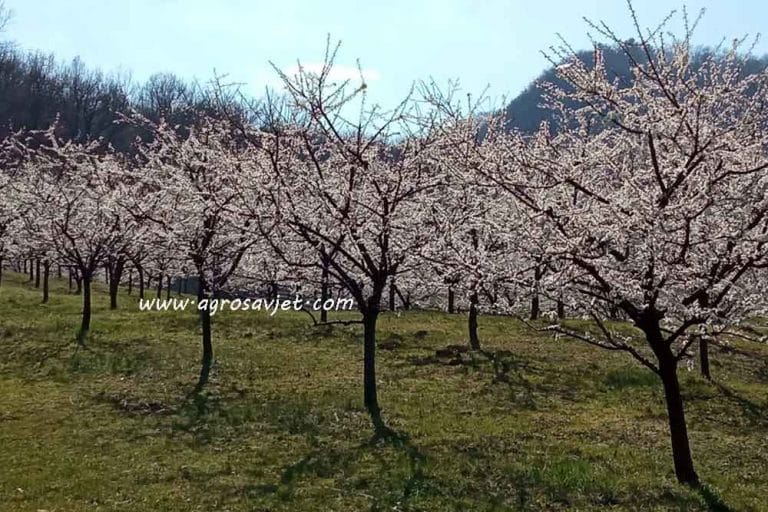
557 425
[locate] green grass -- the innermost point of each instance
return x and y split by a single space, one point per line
552 425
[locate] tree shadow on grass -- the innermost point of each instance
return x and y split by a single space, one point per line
510 369
200 418
756 413
711 498
396 477
135 406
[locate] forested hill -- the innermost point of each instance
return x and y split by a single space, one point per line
525 113
35 88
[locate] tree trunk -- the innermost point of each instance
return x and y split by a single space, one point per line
681 450
69 275
538 273
273 290
474 341
78 283
560 308
130 281
370 398
324 292
168 287
46 274
704 358
451 301
535 308
405 300
160 286
114 275
37 273
141 281
205 323
85 325
58 271
392 296
31 271
667 364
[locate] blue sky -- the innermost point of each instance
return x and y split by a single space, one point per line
480 42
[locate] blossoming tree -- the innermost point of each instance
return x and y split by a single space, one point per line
352 192
191 180
71 194
655 195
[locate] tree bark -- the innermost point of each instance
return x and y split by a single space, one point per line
324 292
678 430
535 307
78 283
370 314
560 309
273 290
704 358
114 275
370 398
451 301
31 271
681 450
85 325
205 323
130 281
392 296
168 287
160 286
37 273
46 274
474 340
141 281
405 300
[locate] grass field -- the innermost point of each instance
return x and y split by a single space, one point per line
551 425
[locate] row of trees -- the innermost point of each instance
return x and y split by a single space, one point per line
645 201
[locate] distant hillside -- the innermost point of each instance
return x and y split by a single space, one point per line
524 111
